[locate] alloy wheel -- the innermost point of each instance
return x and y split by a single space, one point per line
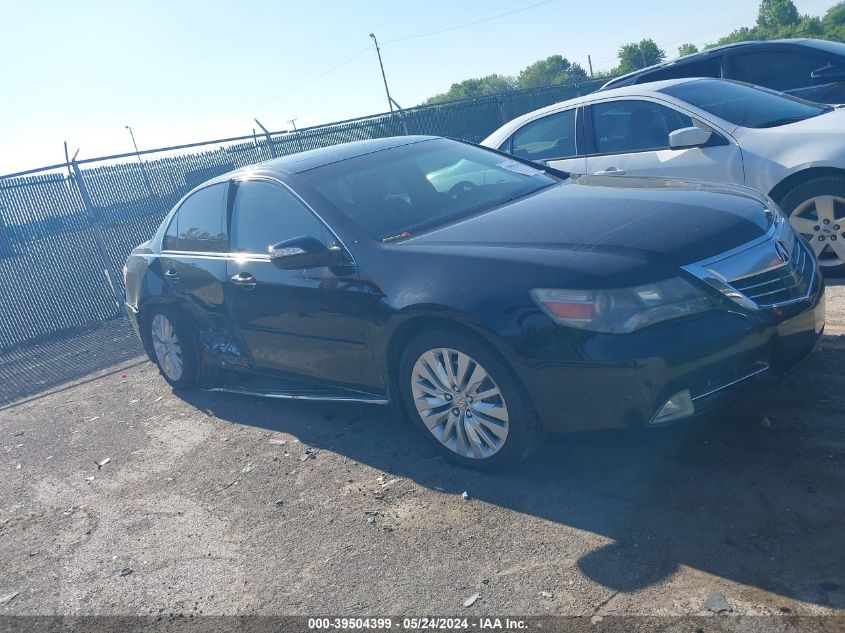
167 349
821 221
460 403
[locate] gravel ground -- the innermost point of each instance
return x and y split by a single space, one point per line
121 497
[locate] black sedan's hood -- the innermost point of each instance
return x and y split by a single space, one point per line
670 221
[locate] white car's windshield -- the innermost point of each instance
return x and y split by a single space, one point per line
743 104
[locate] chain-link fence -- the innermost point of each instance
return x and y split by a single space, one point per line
65 230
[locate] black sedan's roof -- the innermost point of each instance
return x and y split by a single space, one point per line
624 80
303 161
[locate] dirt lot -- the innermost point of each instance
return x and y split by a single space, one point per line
213 504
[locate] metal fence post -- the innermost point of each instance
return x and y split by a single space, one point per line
402 120
269 138
109 269
5 239
501 107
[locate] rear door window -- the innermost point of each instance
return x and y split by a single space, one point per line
548 138
171 237
265 214
199 224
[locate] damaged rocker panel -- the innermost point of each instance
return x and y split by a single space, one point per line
334 395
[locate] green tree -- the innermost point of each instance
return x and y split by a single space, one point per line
488 85
775 19
638 55
833 22
687 49
552 70
776 16
740 35
809 26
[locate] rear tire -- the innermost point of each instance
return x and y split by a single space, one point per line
175 350
815 208
467 400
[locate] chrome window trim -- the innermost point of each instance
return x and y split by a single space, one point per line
171 216
301 200
199 254
263 257
230 255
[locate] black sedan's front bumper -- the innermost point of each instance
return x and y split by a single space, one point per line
599 381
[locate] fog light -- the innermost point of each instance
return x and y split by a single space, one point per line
678 406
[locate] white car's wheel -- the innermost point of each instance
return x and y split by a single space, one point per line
816 210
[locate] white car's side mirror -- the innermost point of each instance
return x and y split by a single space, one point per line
689 137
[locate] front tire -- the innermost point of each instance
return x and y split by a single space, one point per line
174 349
466 400
816 210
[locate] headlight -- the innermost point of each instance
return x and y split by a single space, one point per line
622 310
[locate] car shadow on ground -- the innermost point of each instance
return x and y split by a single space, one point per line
752 493
40 366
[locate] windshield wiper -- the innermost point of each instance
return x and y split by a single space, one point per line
783 121
793 119
398 236
482 208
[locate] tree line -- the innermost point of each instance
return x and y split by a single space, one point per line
775 19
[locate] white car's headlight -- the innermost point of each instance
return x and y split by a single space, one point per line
622 310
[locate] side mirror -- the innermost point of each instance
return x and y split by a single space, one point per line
300 252
689 137
828 74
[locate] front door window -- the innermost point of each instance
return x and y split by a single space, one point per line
634 126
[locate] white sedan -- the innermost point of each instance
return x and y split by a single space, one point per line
703 129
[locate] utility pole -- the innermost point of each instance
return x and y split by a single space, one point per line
296 132
590 64
642 52
110 271
140 162
383 76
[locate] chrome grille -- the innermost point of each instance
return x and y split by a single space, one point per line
756 276
784 283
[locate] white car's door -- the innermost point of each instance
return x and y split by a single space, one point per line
631 136
552 140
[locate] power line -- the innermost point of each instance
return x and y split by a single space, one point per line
684 36
317 77
394 41
466 24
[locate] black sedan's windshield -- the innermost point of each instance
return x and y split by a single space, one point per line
743 104
395 192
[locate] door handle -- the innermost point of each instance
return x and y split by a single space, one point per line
610 171
244 280
172 275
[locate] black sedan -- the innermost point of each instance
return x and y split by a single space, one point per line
488 298
807 68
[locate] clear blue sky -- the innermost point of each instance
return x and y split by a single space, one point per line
186 70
